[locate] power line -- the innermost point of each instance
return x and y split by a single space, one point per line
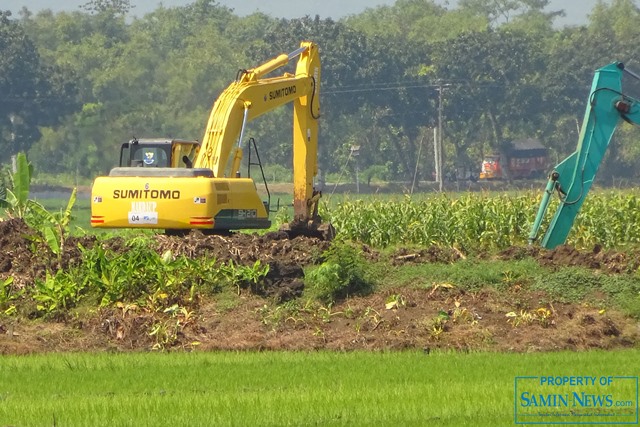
375 88
371 88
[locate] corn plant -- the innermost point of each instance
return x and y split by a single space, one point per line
287 312
437 325
477 221
460 314
395 301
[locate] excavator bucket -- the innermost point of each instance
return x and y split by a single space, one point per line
319 230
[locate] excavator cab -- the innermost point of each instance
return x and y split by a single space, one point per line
158 153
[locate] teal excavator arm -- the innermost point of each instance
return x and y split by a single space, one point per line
572 178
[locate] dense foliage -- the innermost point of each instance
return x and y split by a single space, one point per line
74 85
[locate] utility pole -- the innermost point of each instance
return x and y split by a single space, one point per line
355 152
436 155
439 151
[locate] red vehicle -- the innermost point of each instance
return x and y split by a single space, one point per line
527 158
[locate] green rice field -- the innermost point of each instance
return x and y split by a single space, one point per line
281 388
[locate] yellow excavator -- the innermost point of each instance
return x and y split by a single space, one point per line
180 185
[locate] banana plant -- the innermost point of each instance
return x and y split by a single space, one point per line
16 200
52 227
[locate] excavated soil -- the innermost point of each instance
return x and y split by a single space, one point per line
439 316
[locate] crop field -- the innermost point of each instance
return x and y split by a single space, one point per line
280 388
609 218
421 311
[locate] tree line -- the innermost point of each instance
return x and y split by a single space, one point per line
74 85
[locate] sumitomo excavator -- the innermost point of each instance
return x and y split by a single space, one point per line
571 179
179 185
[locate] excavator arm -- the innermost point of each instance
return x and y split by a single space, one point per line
572 178
252 95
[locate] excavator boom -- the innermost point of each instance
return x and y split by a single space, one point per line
572 178
251 96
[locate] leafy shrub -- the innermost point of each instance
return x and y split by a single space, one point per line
57 293
141 274
344 272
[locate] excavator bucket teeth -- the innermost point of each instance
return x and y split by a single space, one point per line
323 231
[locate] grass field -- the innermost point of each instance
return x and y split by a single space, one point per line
280 389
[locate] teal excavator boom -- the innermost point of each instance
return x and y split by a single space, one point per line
607 107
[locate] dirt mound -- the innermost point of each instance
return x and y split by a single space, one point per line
396 318
612 261
25 256
285 257
245 248
18 248
14 249
565 255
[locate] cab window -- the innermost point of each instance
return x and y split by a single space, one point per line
147 156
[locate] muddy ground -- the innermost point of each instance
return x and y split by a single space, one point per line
436 316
